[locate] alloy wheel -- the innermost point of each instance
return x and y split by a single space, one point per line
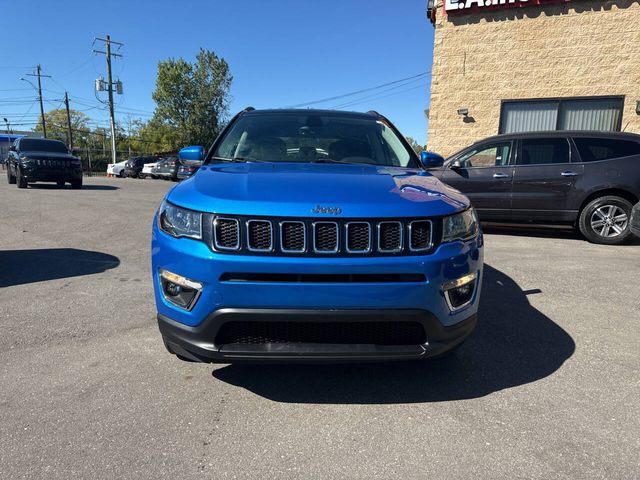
609 221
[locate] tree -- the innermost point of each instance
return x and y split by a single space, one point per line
415 145
56 121
192 100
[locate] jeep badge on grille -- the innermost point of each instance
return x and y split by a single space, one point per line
329 210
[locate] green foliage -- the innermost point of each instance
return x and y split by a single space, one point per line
192 101
415 145
56 121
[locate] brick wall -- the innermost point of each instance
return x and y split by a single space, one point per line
579 48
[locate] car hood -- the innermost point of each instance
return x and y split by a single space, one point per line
316 190
48 155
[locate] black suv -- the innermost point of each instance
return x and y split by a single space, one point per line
586 179
133 167
40 160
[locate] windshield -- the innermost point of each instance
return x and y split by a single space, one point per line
307 138
37 145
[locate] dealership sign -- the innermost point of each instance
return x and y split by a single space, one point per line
467 5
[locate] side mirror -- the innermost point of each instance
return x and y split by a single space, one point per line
191 155
430 160
12 148
455 165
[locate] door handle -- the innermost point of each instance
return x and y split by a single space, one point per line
569 174
500 175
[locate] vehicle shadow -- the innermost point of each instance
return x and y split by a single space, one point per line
49 186
526 230
18 267
542 231
514 344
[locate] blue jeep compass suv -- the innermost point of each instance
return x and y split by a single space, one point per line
314 235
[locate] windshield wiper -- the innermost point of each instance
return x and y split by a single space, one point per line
238 160
331 160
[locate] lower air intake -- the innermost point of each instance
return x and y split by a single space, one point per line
360 333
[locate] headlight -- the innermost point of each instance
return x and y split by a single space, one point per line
462 226
180 222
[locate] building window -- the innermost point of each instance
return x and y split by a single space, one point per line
592 113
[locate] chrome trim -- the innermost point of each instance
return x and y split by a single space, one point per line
401 229
346 238
304 237
460 282
249 247
322 252
430 244
215 234
197 286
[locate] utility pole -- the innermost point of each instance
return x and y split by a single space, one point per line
39 74
69 134
107 41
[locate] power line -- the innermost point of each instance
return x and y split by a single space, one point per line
364 90
377 96
357 102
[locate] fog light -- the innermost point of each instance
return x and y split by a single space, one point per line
458 293
179 290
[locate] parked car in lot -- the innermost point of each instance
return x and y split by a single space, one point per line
116 169
269 255
186 171
166 168
133 167
586 179
147 170
33 160
634 224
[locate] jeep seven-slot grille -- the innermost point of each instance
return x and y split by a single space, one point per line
325 237
312 237
226 233
293 237
368 333
259 235
420 238
358 237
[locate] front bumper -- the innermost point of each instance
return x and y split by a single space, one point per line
197 343
192 333
44 174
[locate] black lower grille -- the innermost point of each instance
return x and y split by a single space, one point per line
363 333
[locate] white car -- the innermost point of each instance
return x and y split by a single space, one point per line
116 169
146 170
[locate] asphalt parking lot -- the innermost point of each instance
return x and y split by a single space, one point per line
547 387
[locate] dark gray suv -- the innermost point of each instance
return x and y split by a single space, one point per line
590 180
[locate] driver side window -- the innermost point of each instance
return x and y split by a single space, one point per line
494 155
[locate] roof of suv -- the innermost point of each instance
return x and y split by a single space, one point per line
564 133
307 111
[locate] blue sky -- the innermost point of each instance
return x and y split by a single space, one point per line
281 53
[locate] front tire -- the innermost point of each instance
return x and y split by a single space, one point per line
76 184
121 174
605 220
20 180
